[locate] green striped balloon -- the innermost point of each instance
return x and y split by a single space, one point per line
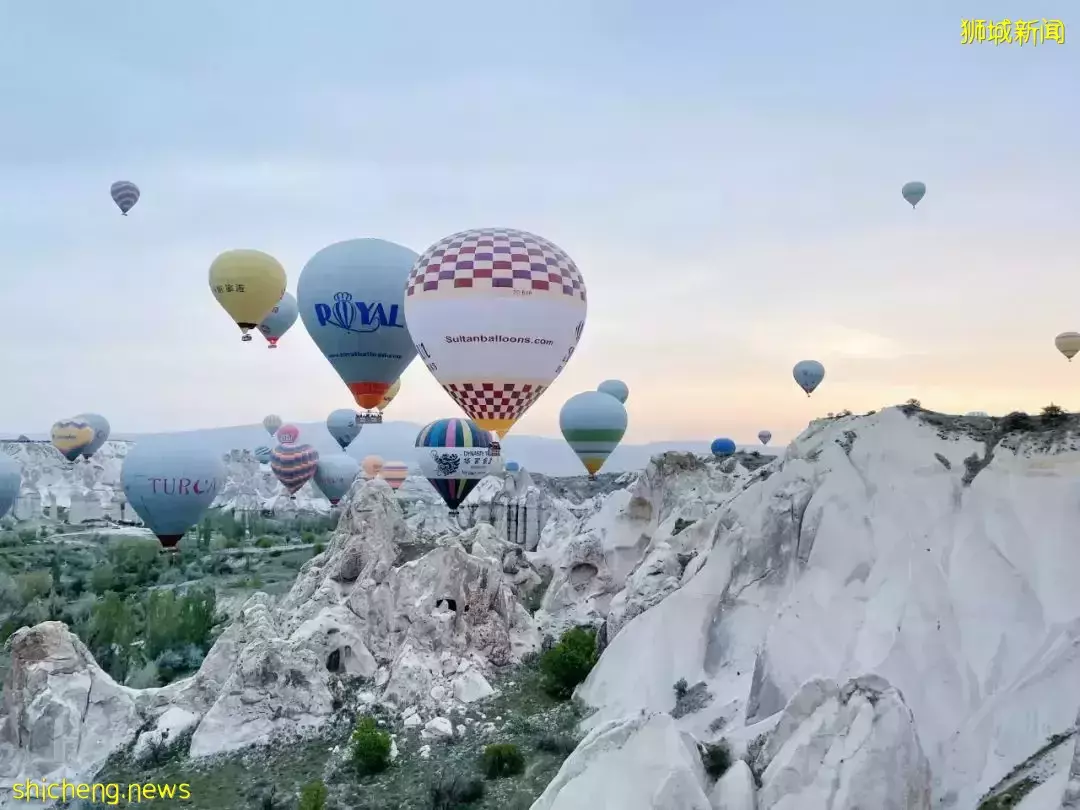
593 424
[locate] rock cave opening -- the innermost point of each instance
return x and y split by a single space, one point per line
450 603
582 573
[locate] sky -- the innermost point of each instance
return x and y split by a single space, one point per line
727 180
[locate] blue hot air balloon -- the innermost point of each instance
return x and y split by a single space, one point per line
262 454
10 482
808 374
722 448
170 485
913 192
454 454
125 194
280 320
512 466
343 426
616 388
352 301
764 436
334 475
101 432
593 424
294 465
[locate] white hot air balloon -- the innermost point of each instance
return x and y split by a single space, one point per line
1068 343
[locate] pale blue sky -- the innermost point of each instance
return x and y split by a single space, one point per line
727 180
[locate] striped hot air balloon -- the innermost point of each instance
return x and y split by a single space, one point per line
125 194
593 424
454 455
394 473
72 436
294 465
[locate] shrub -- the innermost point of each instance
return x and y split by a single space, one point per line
911 406
569 662
680 687
370 747
1054 415
1016 421
502 759
455 792
313 796
264 542
716 757
557 744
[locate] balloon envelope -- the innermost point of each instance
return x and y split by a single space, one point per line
496 314
764 436
723 447
615 388
512 466
125 194
913 192
371 465
808 374
280 319
247 284
294 465
170 485
10 482
272 423
262 453
1068 343
343 426
287 434
351 297
454 455
101 432
334 475
388 397
593 424
72 436
394 473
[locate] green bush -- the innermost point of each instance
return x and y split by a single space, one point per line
455 792
264 542
557 744
1054 415
569 662
716 757
502 759
313 796
370 747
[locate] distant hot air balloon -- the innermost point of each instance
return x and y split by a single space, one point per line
808 374
394 473
593 424
496 315
247 284
723 447
294 465
72 436
512 466
125 194
351 301
371 465
287 434
334 476
616 388
976 413
764 436
272 423
343 425
10 482
454 455
170 484
101 432
388 397
913 192
1068 343
262 454
280 320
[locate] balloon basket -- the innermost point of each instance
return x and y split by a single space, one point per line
369 418
272 346
246 339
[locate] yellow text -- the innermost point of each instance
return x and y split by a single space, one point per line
1012 32
110 793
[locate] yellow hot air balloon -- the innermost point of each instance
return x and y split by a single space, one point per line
247 284
1068 343
388 397
372 465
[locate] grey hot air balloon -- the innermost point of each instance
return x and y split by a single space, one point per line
271 423
913 192
764 436
343 426
170 484
280 320
10 482
125 194
101 432
616 388
808 374
334 476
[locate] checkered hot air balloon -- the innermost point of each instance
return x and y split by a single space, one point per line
454 454
125 194
294 465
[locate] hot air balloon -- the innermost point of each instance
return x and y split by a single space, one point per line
976 413
247 284
287 434
764 436
394 473
913 192
101 432
280 320
615 388
723 447
72 436
334 475
454 455
389 396
351 301
1068 343
294 465
262 454
272 423
593 424
512 466
808 374
125 194
496 315
10 482
170 484
344 426
371 465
